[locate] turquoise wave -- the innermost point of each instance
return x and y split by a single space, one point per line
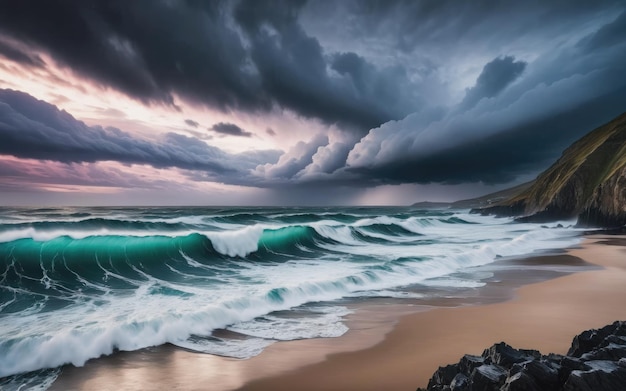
87 281
55 262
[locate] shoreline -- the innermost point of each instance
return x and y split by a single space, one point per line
544 315
373 326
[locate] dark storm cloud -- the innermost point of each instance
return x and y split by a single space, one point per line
438 91
192 123
146 49
30 128
246 55
229 129
609 35
13 52
414 25
294 70
515 150
560 96
516 119
495 76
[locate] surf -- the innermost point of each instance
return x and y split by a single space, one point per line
76 284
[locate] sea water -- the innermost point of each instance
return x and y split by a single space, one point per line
78 283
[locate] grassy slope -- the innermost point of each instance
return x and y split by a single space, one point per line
570 182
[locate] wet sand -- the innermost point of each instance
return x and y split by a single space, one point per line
398 346
544 316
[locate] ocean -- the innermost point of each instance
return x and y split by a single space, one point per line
79 283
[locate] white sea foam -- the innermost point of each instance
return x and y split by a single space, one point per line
242 295
235 348
326 324
81 333
238 243
35 381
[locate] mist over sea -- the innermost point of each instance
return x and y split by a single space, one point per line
78 283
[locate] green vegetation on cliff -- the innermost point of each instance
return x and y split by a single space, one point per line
588 181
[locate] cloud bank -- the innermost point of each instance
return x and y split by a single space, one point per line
33 129
517 118
399 92
245 55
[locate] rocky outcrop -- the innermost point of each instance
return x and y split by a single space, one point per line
607 206
595 361
588 182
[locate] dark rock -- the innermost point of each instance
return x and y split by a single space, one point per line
443 375
544 373
606 206
574 364
554 358
610 352
596 361
546 377
604 375
487 377
552 361
515 369
505 356
513 209
520 382
569 364
591 339
460 383
469 362
616 339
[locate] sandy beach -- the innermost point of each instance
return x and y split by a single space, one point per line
542 316
398 347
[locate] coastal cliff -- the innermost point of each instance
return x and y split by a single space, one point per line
588 182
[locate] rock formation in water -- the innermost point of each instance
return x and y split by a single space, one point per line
595 361
587 182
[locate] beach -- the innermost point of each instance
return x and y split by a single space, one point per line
392 346
543 316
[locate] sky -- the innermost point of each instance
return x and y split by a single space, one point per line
256 102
